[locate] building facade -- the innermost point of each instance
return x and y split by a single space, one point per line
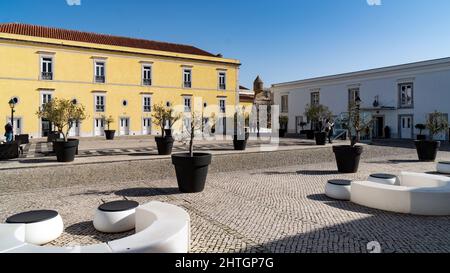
111 76
397 97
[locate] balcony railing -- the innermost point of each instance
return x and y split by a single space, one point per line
100 79
222 86
187 84
100 108
147 81
47 76
147 108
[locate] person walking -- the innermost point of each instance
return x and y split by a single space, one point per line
9 132
329 130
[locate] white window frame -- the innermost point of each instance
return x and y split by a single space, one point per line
222 110
96 62
95 103
144 68
144 97
222 75
315 98
400 95
284 104
45 93
187 71
353 93
52 62
186 109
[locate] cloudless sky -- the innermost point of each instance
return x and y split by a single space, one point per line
281 40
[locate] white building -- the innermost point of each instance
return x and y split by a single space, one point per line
398 96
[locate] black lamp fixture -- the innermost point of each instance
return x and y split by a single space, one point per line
12 104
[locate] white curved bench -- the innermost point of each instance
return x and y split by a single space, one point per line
443 167
160 228
421 194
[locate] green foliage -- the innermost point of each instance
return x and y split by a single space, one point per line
355 123
62 113
163 115
436 123
283 120
420 127
316 113
108 121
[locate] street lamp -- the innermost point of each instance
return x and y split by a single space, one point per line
12 104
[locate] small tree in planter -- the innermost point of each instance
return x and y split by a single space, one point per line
241 134
192 168
164 116
348 156
283 120
421 127
109 134
427 149
63 113
316 114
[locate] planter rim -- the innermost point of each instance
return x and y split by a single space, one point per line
187 155
427 141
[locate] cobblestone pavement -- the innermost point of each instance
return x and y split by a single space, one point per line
279 209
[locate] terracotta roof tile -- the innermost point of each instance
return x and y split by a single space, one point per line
94 38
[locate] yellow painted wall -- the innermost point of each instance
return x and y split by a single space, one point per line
73 74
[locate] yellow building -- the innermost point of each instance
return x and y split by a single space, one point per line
111 76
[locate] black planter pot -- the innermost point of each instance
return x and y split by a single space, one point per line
282 132
65 151
427 149
191 171
164 144
53 136
109 134
309 134
321 138
168 132
240 144
421 137
347 158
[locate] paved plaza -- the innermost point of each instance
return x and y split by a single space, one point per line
253 202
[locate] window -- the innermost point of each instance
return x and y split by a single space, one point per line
100 72
353 93
284 104
125 103
46 97
222 81
222 105
187 104
406 95
99 103
187 78
47 68
315 98
146 75
147 103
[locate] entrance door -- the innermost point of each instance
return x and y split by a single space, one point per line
406 127
222 126
17 126
147 126
75 130
124 127
46 127
378 127
99 127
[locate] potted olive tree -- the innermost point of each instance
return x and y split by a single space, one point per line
241 134
348 156
421 127
63 113
316 114
109 134
191 168
283 120
164 117
427 149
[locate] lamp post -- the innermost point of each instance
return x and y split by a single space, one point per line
12 104
358 116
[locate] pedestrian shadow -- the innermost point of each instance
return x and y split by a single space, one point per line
147 192
39 160
400 161
87 229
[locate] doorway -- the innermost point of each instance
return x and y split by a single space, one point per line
75 130
99 127
378 127
124 129
147 126
406 126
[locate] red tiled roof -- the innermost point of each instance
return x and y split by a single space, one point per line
87 37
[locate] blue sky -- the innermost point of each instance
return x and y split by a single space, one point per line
281 40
